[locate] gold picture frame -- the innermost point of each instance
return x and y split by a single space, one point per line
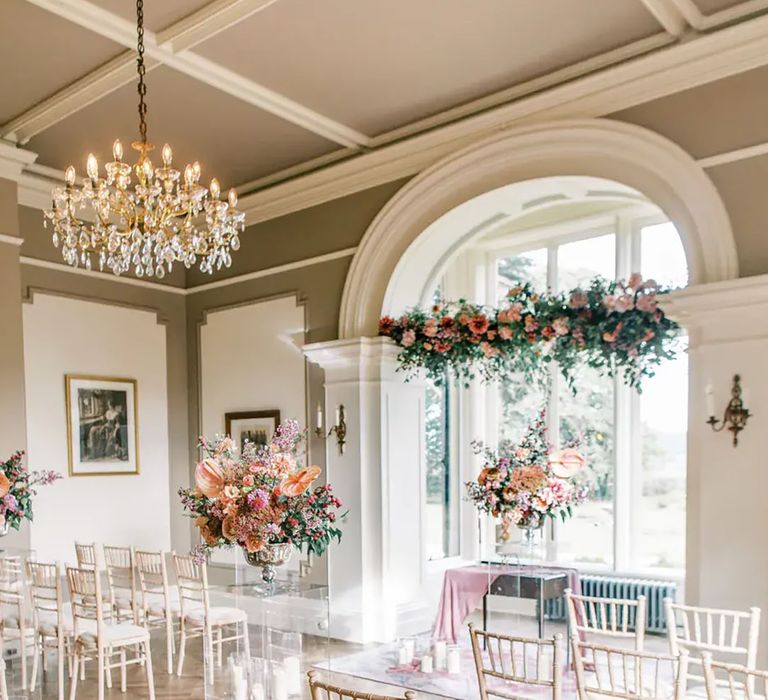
102 425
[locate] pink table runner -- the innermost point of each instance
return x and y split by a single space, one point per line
464 588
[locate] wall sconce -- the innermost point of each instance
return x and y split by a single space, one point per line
735 415
339 429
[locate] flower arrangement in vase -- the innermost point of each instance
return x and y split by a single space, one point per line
527 482
18 486
613 326
261 500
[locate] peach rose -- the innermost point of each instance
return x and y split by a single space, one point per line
297 483
566 463
209 478
5 485
253 543
229 528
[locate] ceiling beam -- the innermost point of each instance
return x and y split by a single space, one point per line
170 48
669 16
701 22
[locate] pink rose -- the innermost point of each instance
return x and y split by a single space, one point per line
408 339
488 349
624 303
560 325
505 332
646 302
609 302
635 280
430 328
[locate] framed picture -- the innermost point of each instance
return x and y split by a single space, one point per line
102 432
254 426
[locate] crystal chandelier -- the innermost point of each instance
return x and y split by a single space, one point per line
145 217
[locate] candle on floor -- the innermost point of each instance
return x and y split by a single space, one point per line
279 684
439 651
454 660
426 664
292 666
257 691
239 683
410 648
402 656
319 418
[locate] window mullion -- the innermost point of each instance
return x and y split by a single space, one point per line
553 417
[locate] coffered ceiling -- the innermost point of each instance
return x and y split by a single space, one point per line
261 90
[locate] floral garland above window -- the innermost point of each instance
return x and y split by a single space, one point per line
615 327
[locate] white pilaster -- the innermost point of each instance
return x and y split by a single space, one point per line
726 560
376 572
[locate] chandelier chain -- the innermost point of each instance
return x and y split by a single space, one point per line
141 69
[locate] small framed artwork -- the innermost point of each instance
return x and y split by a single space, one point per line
102 431
254 426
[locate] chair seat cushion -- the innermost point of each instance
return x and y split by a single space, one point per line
115 635
217 616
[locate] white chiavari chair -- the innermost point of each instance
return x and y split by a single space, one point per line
199 619
530 663
93 634
728 635
614 672
121 579
324 691
15 617
52 619
603 619
3 682
733 681
159 603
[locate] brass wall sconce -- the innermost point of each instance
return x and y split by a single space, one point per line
735 415
339 429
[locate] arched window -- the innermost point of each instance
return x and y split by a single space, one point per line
563 233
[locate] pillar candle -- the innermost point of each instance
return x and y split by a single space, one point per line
319 422
292 666
426 664
257 691
279 684
410 648
454 660
439 652
402 656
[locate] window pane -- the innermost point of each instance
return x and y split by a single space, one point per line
519 403
526 267
580 261
587 538
660 495
662 256
442 487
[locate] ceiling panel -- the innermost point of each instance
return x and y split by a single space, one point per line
41 53
377 65
158 14
232 140
710 6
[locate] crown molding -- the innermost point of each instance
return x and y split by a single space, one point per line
13 160
11 240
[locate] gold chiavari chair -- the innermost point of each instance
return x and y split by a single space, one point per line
324 691
613 672
595 619
158 606
85 555
199 619
121 578
16 618
93 634
52 619
536 664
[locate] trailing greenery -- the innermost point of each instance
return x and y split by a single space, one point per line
612 326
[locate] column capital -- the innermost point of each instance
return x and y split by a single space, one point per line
357 358
722 311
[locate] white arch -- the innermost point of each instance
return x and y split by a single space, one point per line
603 148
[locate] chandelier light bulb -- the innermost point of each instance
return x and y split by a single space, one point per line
167 155
232 196
189 175
92 167
196 170
69 175
215 188
117 150
146 166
